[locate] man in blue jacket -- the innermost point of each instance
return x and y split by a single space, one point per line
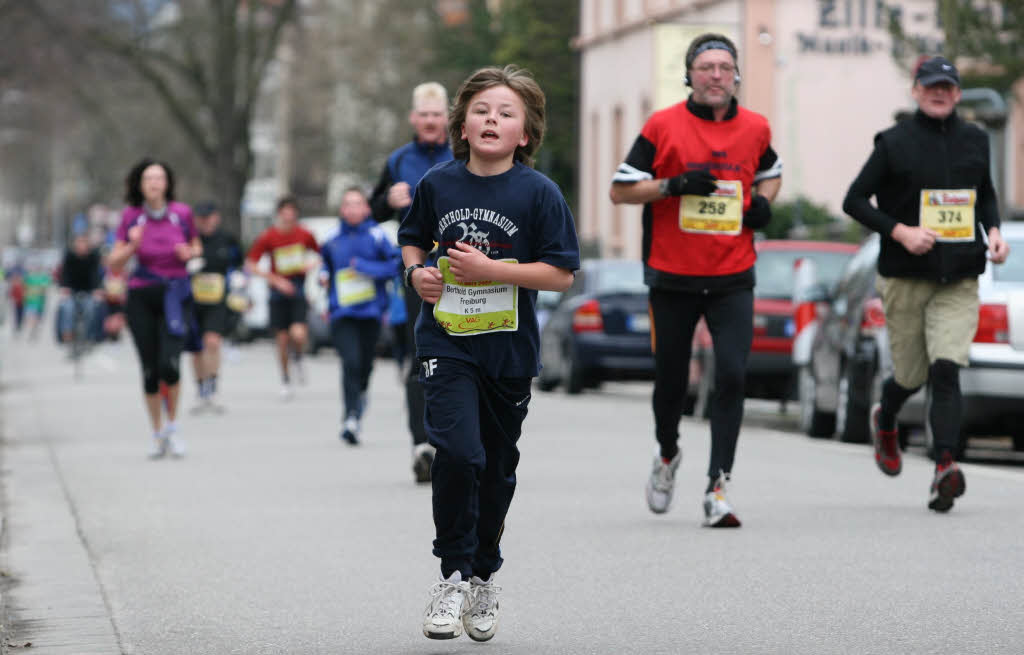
390 198
357 263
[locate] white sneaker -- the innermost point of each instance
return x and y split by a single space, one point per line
175 445
158 448
443 617
214 406
201 407
287 393
718 513
661 483
480 619
350 431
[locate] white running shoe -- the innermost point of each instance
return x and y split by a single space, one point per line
480 619
175 446
287 393
443 617
718 513
661 483
159 447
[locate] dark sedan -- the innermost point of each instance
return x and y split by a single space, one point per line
599 330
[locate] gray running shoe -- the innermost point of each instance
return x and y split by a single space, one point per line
661 483
718 513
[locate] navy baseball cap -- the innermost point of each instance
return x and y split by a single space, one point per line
204 209
937 70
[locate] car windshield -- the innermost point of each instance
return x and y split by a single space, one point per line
774 269
618 276
1012 270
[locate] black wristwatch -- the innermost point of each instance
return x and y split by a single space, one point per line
408 274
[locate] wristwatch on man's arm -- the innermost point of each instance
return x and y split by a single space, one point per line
407 275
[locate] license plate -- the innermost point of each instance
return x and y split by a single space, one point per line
639 323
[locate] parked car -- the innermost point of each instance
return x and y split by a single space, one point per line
599 330
770 370
850 356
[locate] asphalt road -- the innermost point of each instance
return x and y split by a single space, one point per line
274 537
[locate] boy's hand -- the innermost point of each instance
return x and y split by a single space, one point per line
468 264
428 283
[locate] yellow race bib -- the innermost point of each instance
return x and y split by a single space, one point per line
208 288
353 288
476 308
720 213
949 212
290 260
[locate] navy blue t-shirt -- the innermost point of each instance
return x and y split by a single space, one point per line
518 214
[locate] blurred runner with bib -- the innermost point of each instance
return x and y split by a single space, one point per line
357 264
289 245
221 255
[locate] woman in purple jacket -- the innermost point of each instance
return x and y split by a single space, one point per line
160 234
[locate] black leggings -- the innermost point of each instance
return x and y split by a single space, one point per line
730 318
159 350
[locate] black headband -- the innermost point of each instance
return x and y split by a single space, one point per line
712 45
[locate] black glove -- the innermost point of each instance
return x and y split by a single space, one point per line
693 183
758 214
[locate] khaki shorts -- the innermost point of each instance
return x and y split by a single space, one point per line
927 321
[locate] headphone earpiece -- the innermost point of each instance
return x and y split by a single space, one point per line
686 79
736 78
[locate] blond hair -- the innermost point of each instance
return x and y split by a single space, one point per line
429 91
523 85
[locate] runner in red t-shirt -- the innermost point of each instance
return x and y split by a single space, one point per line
706 173
289 247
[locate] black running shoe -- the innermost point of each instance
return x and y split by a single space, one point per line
948 484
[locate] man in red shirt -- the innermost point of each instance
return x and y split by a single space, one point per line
290 248
705 171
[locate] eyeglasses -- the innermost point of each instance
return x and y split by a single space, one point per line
706 69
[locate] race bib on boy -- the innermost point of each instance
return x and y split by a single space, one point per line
720 213
353 288
949 212
477 307
290 260
208 288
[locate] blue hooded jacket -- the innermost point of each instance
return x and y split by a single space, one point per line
366 259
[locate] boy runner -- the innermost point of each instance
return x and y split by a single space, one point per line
504 231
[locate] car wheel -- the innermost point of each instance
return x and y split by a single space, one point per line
813 421
855 396
929 436
572 373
